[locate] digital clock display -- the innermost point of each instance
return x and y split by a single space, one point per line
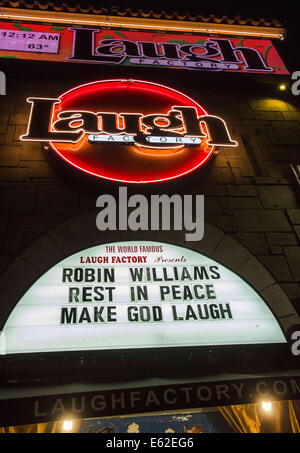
29 41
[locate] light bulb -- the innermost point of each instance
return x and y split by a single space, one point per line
267 406
68 424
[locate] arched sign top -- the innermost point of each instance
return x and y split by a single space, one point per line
127 130
142 294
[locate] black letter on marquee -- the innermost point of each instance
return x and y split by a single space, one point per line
68 315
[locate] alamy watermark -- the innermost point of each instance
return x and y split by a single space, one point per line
2 84
161 212
295 345
2 343
296 85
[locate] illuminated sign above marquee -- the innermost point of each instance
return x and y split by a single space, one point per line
136 295
135 48
127 130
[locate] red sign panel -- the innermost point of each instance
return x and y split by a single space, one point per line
135 48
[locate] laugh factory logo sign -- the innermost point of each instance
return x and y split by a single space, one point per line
127 130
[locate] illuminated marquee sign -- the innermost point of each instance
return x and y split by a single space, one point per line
134 295
135 48
127 130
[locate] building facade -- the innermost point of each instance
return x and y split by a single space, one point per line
49 209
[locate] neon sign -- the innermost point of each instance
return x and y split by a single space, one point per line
127 130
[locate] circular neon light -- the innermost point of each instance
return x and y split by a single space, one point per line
129 163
